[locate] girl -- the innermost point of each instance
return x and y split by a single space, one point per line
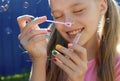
92 58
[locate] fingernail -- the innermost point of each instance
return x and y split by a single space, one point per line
70 45
32 18
54 52
49 30
54 59
58 46
47 35
43 17
31 57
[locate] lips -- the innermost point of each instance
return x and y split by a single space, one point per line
74 32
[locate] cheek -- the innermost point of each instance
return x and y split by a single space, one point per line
90 20
60 28
91 16
92 25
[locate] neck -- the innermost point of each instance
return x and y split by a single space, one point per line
92 47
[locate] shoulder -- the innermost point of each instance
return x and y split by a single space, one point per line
117 68
117 62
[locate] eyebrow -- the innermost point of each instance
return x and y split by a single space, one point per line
75 4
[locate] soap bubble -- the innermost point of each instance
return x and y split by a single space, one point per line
4 5
3 0
118 3
9 17
4 8
39 1
1 8
26 4
8 31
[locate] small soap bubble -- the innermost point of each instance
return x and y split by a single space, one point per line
8 31
39 1
1 9
4 8
8 1
118 3
9 17
3 0
4 5
26 4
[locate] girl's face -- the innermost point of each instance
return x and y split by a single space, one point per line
83 14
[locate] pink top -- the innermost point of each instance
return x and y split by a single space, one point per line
91 74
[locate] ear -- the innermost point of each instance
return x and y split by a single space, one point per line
103 6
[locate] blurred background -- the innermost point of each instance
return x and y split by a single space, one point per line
15 64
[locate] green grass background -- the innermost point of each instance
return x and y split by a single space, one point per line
16 77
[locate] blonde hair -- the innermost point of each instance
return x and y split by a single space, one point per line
109 41
107 51
54 73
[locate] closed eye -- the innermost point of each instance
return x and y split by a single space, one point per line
57 17
78 11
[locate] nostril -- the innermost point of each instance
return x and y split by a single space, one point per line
82 29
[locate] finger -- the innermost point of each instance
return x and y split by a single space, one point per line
39 20
19 36
33 24
70 46
37 39
66 69
24 42
30 35
66 61
71 54
34 41
22 21
33 33
82 52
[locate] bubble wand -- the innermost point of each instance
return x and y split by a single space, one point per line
68 24
76 39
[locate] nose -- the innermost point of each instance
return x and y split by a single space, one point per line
69 21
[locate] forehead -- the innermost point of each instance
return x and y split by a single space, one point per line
67 0
66 3
61 2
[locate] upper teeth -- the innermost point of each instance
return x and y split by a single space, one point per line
74 32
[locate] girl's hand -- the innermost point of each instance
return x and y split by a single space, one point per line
32 37
73 62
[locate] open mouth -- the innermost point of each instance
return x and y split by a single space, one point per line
73 33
